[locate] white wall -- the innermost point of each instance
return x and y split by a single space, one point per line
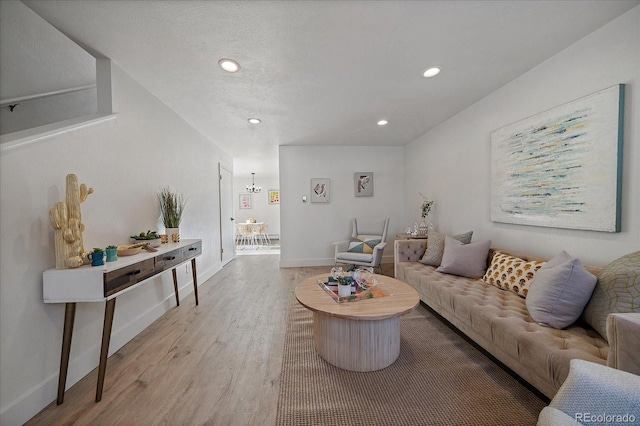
453 160
307 230
36 58
126 161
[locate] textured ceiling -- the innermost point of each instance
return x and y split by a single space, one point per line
324 72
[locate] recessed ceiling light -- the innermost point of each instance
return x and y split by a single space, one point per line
432 72
254 120
383 122
229 65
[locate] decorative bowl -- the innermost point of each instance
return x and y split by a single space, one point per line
153 243
128 251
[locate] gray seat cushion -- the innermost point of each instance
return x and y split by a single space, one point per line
358 257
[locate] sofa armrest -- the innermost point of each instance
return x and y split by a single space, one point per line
379 246
409 250
378 251
623 333
593 390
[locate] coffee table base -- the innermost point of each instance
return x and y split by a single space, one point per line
357 345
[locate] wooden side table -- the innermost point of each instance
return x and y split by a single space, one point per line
104 284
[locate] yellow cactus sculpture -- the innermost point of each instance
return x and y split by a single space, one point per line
66 220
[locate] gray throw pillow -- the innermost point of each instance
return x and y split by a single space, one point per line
465 260
435 246
559 291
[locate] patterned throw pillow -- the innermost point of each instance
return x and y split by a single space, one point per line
364 243
617 290
511 273
435 246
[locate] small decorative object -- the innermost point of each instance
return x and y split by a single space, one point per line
336 272
171 208
129 249
274 196
344 288
320 190
365 278
171 232
150 237
112 253
96 257
164 238
175 237
66 220
251 220
423 228
416 230
344 285
338 283
363 184
245 201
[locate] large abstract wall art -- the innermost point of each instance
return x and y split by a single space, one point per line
561 168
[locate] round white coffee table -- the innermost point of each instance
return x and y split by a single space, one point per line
362 335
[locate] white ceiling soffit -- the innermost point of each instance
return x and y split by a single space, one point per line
324 72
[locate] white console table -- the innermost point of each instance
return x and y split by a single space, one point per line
103 284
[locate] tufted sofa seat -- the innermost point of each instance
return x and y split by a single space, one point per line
499 322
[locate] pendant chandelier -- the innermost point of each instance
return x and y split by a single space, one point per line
253 188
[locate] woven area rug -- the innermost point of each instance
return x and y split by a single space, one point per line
439 379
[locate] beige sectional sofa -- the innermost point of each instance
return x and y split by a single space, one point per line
499 322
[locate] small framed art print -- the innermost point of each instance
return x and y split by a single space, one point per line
274 196
320 190
245 201
363 184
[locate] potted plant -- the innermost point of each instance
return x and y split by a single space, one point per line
112 253
96 257
150 237
425 208
171 209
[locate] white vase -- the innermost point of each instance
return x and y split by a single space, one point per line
173 234
344 290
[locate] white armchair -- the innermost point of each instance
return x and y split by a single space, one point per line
366 246
594 394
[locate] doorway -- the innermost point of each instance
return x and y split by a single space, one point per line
227 247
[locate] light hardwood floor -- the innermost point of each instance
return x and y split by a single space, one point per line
217 363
